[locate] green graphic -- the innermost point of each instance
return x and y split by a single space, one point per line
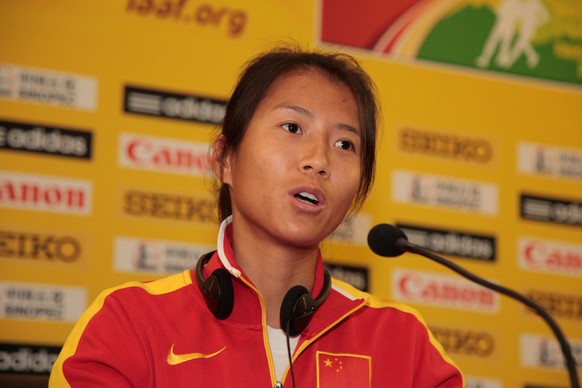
510 40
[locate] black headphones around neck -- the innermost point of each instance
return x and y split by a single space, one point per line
297 307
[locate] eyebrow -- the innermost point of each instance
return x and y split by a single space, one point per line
308 113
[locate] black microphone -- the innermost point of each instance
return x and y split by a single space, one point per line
389 241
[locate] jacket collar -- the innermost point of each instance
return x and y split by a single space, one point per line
248 305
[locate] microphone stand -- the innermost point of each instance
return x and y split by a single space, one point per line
407 246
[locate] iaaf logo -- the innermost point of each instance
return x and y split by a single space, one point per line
47 87
538 159
162 154
445 192
353 229
550 256
155 256
541 352
41 302
44 193
439 290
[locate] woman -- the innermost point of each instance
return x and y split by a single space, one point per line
295 155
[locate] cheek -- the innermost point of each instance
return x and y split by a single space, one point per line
348 184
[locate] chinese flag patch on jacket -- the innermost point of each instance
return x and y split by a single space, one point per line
343 370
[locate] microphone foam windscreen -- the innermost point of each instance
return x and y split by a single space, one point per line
382 240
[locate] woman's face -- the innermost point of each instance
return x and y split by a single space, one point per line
297 170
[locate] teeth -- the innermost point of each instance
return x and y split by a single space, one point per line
307 197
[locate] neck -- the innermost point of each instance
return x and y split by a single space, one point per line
273 267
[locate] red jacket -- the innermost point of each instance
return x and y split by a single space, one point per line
161 334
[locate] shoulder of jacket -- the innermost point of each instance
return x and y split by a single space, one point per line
373 301
160 286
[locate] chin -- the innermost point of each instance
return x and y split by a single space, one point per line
305 239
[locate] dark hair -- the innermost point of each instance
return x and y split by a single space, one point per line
266 68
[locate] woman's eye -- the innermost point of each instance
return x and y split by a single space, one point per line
345 145
291 127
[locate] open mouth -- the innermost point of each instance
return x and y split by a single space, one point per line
307 198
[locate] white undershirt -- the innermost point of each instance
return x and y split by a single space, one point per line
278 345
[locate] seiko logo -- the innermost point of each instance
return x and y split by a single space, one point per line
45 140
432 190
168 206
36 192
163 257
439 290
446 146
27 359
559 211
552 161
161 154
356 276
550 256
48 87
174 106
454 243
465 342
39 247
559 305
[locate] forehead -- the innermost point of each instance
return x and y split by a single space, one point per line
303 77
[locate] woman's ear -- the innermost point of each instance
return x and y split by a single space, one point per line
221 160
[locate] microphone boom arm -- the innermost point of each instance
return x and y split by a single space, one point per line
407 246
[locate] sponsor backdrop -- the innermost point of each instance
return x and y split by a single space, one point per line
107 109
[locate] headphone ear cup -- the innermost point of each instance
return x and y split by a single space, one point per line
219 293
297 309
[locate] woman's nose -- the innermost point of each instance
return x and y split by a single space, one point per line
316 159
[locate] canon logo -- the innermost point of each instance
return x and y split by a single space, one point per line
446 146
164 154
551 256
43 193
427 288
